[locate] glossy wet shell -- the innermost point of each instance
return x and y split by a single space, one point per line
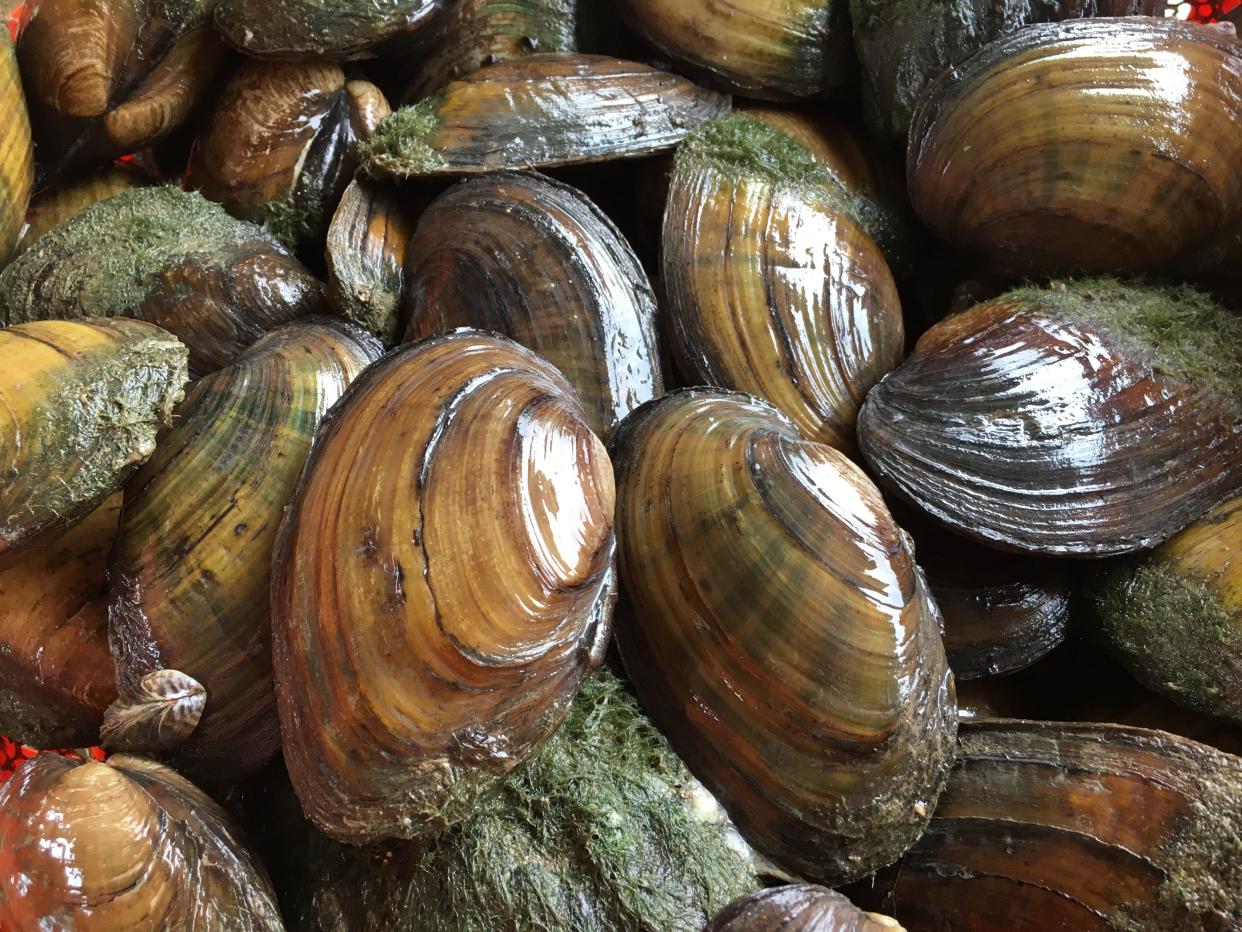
190 569
441 585
55 671
126 845
16 153
541 111
1087 827
1026 429
335 29
1099 145
797 908
777 630
157 713
535 260
82 403
167 257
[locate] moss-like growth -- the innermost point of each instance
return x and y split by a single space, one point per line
399 146
1177 331
596 832
294 223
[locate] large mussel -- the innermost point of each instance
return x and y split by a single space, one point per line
442 583
167 257
1090 418
16 153
72 195
190 568
300 30
802 907
534 259
123 846
778 631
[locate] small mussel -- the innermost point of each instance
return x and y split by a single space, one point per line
279 148
335 29
82 402
1092 146
106 77
773 284
123 846
68 196
778 631
1050 825
190 568
168 257
156 713
603 829
540 111
1090 418
16 152
534 259
442 583
56 676
802 907
1174 617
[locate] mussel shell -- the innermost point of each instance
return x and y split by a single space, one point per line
441 585
778 631
61 201
56 677
126 845
534 259
16 153
157 713
802 907
1032 423
767 50
540 111
190 568
82 402
167 257
1094 145
773 285
334 29
1087 827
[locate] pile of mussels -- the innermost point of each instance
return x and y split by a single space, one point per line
482 465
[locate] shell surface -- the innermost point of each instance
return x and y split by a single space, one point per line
467 589
333 29
16 153
126 845
190 568
540 111
159 712
534 259
773 284
1092 146
62 200
801 907
777 630
1092 419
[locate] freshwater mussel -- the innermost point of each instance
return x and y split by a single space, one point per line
798 907
71 195
333 29
16 153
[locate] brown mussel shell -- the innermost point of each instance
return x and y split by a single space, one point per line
779 633
168 257
82 402
1089 419
537 112
190 568
773 284
157 713
56 676
123 846
339 30
70 196
441 585
16 153
534 259
1094 145
279 147
803 907
1050 825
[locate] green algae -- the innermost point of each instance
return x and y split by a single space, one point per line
399 146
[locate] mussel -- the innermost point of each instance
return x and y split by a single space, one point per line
1174 617
167 257
526 256
772 282
802 907
279 148
1087 146
16 153
1090 418
778 631
56 677
442 583
70 196
82 402
1049 825
540 111
300 30
106 77
157 713
127 845
799 48
190 568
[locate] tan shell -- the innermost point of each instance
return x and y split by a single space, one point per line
16 153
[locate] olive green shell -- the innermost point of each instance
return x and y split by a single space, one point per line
168 257
334 29
82 402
